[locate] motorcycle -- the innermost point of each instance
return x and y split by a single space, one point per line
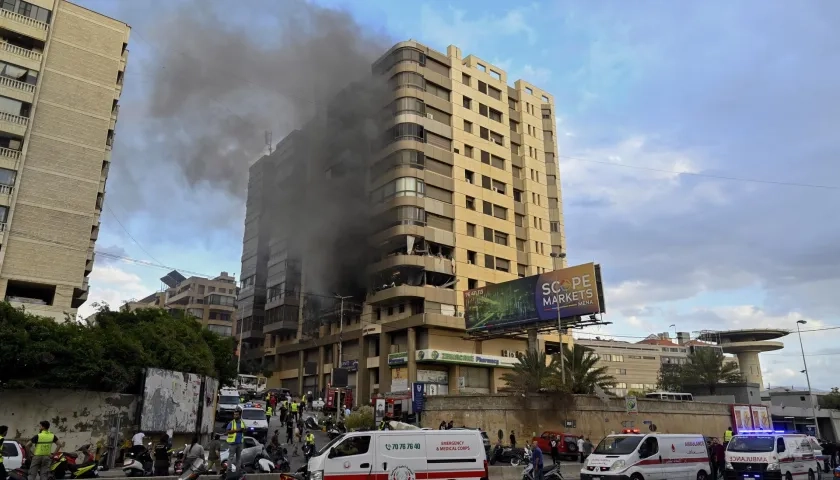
552 472
62 464
281 462
512 456
138 464
21 473
312 423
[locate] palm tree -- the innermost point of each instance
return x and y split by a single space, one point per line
708 366
534 373
583 372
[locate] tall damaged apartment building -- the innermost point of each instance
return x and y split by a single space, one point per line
365 227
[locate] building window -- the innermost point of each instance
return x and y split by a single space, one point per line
405 54
468 126
471 229
517 195
469 176
400 158
519 220
488 261
468 151
502 265
465 79
470 203
520 244
555 227
400 187
408 105
621 371
471 257
472 283
407 80
467 103
407 131
500 237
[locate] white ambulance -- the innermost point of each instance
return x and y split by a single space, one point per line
769 455
402 455
651 456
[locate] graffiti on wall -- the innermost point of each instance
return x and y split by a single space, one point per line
171 401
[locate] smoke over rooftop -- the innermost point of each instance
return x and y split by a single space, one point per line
225 81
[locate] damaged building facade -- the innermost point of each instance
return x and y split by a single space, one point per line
460 189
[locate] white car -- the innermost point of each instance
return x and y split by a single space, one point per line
318 404
13 455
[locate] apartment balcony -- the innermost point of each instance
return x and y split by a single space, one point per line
14 124
115 112
9 158
433 294
427 262
397 231
20 56
89 262
220 308
269 351
25 92
6 195
252 334
22 24
281 326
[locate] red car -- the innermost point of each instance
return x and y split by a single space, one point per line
566 444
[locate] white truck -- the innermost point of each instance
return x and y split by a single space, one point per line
770 456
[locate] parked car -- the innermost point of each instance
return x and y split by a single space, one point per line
566 445
13 455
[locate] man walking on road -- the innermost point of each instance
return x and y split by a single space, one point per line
235 432
580 448
43 442
537 461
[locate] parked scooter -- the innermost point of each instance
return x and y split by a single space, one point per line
76 467
138 464
507 455
312 423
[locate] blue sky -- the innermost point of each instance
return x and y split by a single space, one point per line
742 90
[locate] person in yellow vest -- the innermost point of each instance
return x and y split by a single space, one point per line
235 433
41 445
269 412
284 408
727 436
267 397
293 408
3 431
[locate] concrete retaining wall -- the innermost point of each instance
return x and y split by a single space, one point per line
591 416
77 417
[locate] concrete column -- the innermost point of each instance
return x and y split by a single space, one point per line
454 373
751 367
321 370
412 356
301 358
384 369
363 375
533 340
493 385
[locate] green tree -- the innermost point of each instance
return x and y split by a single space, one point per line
361 419
708 367
534 373
583 373
108 354
831 400
670 378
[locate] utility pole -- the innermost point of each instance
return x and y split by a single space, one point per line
338 406
808 379
239 349
562 350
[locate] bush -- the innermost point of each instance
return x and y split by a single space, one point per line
361 419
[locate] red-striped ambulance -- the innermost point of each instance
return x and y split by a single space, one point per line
402 455
652 456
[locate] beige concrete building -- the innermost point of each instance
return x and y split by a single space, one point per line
470 182
60 83
211 301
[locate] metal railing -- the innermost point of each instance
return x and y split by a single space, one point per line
21 52
8 117
11 83
9 153
6 189
31 22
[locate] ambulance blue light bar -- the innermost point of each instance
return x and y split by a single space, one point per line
760 432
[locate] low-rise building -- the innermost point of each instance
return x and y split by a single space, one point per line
211 301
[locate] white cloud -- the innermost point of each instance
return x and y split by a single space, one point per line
455 26
113 285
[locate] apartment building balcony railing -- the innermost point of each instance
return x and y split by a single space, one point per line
10 154
2 227
6 189
21 52
13 123
24 24
18 87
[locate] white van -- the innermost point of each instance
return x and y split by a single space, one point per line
652 456
227 404
402 455
766 455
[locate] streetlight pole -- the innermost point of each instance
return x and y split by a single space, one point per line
808 379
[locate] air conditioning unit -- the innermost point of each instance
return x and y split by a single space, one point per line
497 190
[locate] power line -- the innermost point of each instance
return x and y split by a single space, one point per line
130 235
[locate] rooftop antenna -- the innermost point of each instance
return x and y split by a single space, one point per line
268 140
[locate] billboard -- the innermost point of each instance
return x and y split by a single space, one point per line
575 291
